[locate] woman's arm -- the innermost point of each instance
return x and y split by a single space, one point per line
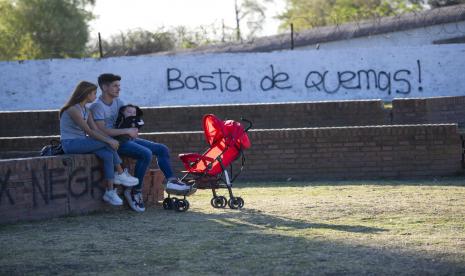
75 114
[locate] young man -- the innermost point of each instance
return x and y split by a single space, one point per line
105 111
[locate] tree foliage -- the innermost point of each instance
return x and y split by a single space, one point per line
138 42
253 13
305 14
35 29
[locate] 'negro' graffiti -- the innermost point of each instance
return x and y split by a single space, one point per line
222 80
56 184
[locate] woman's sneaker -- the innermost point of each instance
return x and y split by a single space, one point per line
112 197
125 179
135 200
174 186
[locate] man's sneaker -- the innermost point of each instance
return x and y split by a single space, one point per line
125 179
177 187
112 197
139 201
134 200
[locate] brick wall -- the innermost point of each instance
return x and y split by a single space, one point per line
29 123
339 153
23 147
46 187
162 119
33 188
49 187
265 116
429 110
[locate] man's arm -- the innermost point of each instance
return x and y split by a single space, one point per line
133 132
99 118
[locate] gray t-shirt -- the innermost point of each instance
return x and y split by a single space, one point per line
108 113
68 128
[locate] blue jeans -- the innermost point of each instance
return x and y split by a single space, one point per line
108 155
143 150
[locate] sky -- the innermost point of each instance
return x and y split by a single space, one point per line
115 16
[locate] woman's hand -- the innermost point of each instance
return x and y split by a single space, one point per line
114 144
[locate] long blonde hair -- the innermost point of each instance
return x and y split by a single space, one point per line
82 90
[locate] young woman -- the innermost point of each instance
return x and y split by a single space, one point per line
79 134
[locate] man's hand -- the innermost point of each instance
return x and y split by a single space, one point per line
133 132
114 144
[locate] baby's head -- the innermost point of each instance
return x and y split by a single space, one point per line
129 111
129 114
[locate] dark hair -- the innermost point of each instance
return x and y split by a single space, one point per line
107 78
82 90
120 118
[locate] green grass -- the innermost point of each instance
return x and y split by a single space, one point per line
314 228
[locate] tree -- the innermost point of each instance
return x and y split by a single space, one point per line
34 29
305 14
253 12
138 42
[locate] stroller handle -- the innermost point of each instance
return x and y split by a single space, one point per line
247 121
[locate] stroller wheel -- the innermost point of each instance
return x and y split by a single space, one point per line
218 202
167 204
181 205
235 203
224 201
241 202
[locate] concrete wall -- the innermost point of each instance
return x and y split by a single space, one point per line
305 75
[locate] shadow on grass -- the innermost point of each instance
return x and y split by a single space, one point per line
245 242
257 218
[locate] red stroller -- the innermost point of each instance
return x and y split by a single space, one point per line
227 140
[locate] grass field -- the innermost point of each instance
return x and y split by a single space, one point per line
315 228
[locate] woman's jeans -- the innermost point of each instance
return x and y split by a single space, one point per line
108 155
143 150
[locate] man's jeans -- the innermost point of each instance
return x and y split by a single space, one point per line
108 155
143 150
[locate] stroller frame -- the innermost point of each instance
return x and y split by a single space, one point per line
210 169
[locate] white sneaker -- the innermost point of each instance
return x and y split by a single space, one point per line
112 197
134 200
125 179
177 187
139 201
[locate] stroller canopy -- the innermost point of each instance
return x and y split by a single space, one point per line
231 131
226 140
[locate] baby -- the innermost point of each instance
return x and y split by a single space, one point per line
128 116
